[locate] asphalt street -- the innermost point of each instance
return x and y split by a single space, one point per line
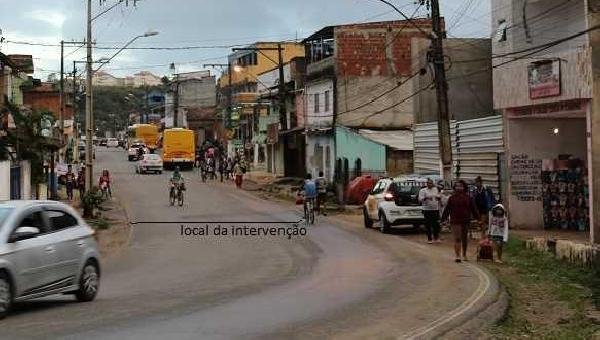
337 281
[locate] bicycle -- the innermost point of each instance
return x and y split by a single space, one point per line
309 210
176 194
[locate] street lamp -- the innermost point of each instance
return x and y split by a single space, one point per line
105 60
89 111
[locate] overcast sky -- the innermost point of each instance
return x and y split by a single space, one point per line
198 23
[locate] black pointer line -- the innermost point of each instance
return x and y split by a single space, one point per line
214 222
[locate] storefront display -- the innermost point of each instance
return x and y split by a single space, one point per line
565 194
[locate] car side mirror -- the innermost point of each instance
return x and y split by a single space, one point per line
24 233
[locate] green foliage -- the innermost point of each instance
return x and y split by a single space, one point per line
92 200
27 139
111 109
537 281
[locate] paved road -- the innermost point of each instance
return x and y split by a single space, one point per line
339 281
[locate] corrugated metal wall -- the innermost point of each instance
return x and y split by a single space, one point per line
426 144
477 148
480 144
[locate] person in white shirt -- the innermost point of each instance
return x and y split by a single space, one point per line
430 197
498 228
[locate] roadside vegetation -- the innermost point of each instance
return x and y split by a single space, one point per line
549 298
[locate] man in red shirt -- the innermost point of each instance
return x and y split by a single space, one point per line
461 209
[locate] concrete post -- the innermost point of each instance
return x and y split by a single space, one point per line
593 19
25 180
4 180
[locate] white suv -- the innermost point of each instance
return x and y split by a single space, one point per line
45 249
394 202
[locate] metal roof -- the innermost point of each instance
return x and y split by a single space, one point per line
395 139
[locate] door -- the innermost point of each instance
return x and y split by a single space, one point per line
33 258
374 198
70 241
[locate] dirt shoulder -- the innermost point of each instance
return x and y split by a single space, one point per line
112 228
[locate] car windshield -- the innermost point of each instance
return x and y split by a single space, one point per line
4 213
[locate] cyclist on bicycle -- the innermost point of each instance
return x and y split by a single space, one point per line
309 187
176 179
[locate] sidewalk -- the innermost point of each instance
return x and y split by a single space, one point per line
112 226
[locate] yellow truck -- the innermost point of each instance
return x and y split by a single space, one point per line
179 148
146 133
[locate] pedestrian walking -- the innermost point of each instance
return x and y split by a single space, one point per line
229 169
81 182
239 175
70 182
430 199
321 183
460 208
484 201
498 228
221 168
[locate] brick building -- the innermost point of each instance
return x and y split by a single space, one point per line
353 80
46 98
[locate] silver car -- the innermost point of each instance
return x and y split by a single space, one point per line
46 248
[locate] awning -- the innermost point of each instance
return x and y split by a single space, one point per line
396 139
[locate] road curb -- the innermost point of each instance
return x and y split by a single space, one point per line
473 322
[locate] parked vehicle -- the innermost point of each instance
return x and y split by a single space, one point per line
149 163
112 143
146 133
46 248
394 202
82 148
102 141
359 189
179 148
132 152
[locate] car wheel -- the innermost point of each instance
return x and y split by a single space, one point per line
385 224
88 283
416 226
367 219
6 297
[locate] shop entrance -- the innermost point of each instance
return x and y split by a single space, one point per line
548 173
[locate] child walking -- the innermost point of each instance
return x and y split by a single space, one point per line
498 228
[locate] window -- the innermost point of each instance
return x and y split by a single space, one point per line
327 100
501 30
316 100
60 220
35 220
379 188
4 213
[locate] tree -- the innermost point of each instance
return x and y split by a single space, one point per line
29 140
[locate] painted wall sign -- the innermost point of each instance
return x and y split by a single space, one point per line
526 178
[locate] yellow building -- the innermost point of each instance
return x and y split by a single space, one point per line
248 64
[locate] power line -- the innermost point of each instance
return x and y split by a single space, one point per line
536 49
161 48
405 99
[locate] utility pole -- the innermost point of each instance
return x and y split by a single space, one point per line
176 102
282 107
89 148
441 86
61 115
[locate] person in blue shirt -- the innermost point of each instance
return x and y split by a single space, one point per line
309 187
